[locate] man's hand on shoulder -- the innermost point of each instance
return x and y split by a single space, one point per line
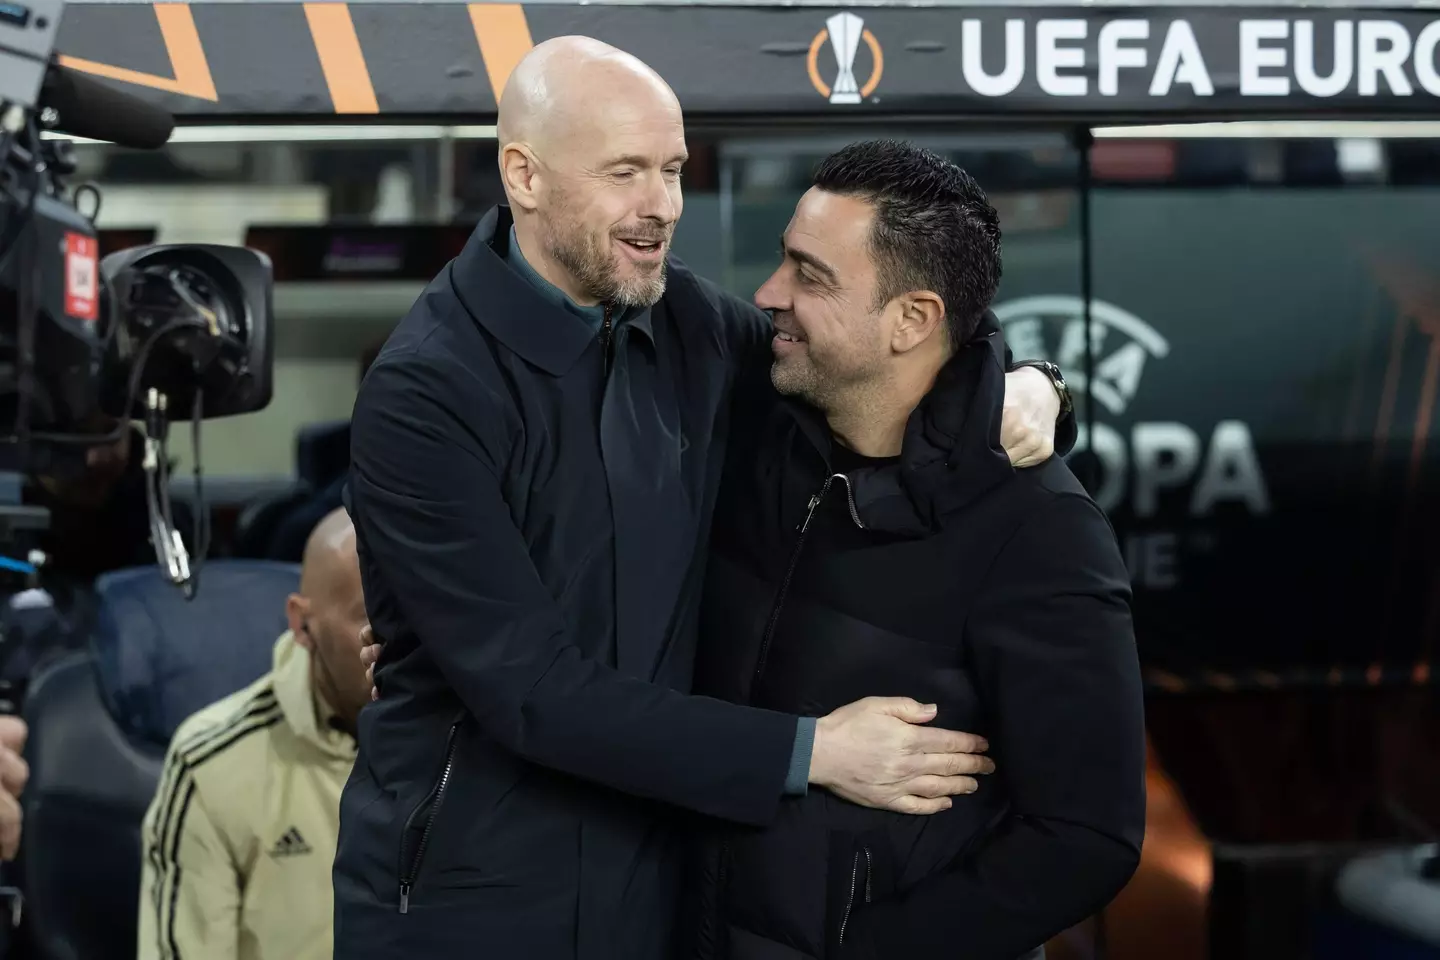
1027 425
875 752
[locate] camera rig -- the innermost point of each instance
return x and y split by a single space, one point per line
147 336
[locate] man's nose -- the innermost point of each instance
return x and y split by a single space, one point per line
658 203
772 294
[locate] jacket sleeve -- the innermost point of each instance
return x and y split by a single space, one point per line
434 527
1055 660
189 888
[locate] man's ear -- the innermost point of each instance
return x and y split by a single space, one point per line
518 171
297 611
922 316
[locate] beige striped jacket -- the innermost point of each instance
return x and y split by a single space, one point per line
240 838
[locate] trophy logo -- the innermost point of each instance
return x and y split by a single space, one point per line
844 31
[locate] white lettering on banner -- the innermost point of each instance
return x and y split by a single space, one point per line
1181 62
1113 56
1344 62
1256 55
1369 56
1009 77
1427 65
1050 57
1384 48
1153 458
1277 57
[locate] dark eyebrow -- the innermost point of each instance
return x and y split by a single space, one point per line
813 262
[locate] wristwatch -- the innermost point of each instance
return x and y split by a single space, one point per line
1057 379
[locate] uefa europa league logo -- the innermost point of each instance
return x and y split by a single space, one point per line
845 31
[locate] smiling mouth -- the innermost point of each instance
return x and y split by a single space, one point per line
789 337
644 246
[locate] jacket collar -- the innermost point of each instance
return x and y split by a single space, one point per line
307 715
637 317
515 310
951 454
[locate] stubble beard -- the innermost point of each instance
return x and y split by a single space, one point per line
588 259
829 390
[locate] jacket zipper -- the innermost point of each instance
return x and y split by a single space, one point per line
790 570
722 869
605 331
850 498
854 878
434 798
785 587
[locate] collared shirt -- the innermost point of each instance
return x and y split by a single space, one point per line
240 838
593 315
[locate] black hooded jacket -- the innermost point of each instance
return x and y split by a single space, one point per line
947 576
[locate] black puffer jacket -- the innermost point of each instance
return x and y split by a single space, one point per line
947 576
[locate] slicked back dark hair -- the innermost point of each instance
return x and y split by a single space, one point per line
934 228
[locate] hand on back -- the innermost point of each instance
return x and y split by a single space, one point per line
877 753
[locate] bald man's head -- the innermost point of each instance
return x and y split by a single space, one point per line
327 614
591 145
330 562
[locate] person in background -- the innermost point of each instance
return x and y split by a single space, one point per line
239 839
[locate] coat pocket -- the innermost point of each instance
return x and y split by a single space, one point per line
860 871
419 827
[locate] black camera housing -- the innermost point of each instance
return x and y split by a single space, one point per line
194 322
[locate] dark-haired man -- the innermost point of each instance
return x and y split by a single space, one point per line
874 539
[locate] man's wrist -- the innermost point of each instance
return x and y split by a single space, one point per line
817 771
797 780
1057 382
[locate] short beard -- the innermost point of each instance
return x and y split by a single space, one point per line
803 381
829 387
594 268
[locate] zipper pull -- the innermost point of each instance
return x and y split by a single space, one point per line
809 513
605 333
404 896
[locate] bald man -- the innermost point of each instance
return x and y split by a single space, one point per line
240 838
535 459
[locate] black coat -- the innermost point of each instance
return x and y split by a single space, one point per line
532 513
998 594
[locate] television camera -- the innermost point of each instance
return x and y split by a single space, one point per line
154 334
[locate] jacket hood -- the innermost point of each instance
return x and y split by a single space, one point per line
951 454
306 714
